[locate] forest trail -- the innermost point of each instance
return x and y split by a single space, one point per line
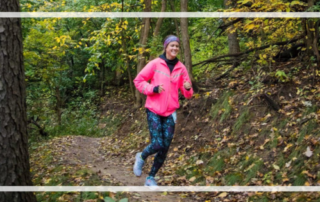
85 151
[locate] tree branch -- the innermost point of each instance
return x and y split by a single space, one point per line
234 55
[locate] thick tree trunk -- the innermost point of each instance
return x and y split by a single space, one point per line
143 41
14 155
233 42
186 43
311 29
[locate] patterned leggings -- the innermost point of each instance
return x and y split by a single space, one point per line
161 132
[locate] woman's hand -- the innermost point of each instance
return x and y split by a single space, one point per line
186 85
161 88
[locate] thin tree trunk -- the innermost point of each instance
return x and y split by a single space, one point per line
186 43
143 41
103 77
159 21
118 75
177 30
58 104
158 24
127 60
14 155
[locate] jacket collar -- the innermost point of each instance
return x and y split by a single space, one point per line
178 65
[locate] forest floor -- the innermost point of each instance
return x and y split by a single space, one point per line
235 132
86 151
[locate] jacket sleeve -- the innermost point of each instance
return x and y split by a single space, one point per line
141 80
186 93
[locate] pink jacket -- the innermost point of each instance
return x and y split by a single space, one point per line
166 102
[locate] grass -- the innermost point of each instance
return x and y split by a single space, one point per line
223 105
216 163
299 180
252 172
242 119
308 128
234 178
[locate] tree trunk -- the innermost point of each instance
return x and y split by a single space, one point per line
118 75
186 43
233 42
103 77
143 41
177 30
315 48
159 21
127 62
158 24
14 155
58 104
307 25
311 29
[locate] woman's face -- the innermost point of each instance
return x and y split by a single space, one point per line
172 50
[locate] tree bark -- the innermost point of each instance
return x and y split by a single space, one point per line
186 43
103 77
143 42
158 24
177 30
14 155
127 60
233 42
311 29
159 21
58 104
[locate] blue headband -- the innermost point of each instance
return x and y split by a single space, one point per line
170 39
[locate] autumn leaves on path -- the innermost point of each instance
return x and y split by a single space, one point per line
116 169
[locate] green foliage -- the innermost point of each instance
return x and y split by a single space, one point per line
281 76
109 199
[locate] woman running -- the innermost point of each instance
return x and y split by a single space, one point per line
166 75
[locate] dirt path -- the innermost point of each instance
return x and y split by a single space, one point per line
85 151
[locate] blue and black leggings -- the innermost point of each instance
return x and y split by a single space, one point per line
161 132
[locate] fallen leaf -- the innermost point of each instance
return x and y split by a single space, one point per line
199 162
222 195
287 147
192 179
288 164
276 167
308 153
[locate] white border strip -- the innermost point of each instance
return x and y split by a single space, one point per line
160 189
159 14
